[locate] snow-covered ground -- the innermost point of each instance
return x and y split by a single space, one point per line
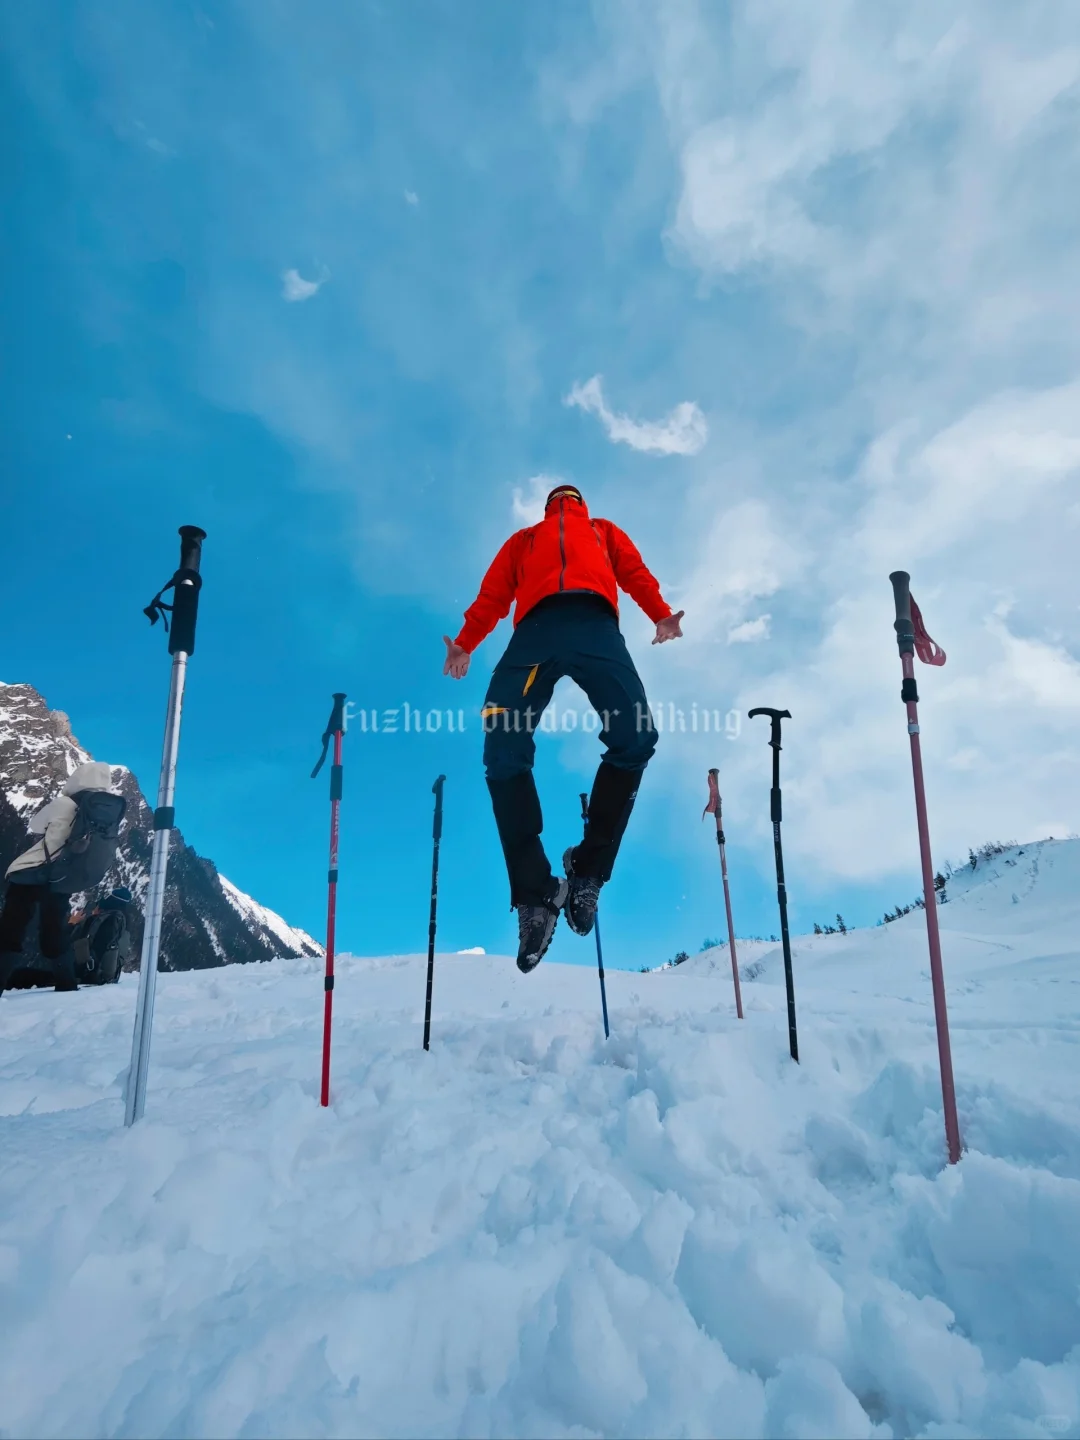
532 1232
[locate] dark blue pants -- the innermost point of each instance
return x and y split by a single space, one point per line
576 635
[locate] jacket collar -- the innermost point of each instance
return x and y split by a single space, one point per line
570 507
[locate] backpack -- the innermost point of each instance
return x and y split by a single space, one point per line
101 945
89 850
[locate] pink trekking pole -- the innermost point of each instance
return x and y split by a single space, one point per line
335 729
911 636
714 808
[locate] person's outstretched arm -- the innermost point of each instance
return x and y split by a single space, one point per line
635 577
497 590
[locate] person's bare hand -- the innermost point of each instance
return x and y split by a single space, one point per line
457 660
668 629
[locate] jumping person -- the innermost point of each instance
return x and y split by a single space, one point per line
564 574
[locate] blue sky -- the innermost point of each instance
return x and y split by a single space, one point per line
846 237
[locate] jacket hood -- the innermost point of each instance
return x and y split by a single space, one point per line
92 775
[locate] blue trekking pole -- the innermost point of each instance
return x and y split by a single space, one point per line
596 927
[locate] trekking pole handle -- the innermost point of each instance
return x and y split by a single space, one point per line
776 716
333 725
584 806
714 794
337 715
191 538
187 583
437 791
905 629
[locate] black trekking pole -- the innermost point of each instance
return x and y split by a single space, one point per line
781 889
596 927
185 585
436 837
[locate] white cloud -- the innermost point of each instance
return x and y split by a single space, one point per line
528 504
743 556
849 96
682 432
411 198
750 631
1035 672
294 287
892 188
152 142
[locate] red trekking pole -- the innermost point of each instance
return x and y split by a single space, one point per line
911 637
335 729
714 808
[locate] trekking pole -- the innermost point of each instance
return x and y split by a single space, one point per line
775 809
714 808
185 585
335 729
911 636
596 927
436 839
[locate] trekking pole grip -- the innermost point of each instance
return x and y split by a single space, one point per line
186 583
775 716
715 803
334 725
905 629
337 715
191 538
584 806
437 791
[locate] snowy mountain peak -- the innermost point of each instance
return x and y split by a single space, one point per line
207 920
37 749
267 923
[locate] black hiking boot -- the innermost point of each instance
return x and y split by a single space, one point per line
582 898
64 973
536 926
10 961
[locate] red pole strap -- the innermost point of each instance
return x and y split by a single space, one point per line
928 651
331 917
937 974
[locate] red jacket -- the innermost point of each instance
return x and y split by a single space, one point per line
566 551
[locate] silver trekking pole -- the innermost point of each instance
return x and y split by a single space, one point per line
185 585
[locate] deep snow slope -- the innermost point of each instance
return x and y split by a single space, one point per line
530 1231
